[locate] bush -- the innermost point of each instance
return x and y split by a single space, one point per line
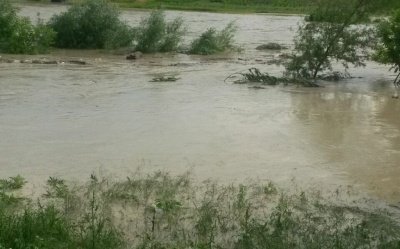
19 36
29 39
155 34
212 41
91 24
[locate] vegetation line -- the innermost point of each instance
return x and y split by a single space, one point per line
173 212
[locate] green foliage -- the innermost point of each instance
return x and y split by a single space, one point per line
318 43
8 14
15 182
19 36
91 24
213 41
56 188
155 34
388 49
172 213
43 228
29 39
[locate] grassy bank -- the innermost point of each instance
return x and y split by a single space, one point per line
206 5
225 6
164 211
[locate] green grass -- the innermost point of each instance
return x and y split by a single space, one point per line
174 212
225 6
202 5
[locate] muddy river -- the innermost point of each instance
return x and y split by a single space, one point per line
70 120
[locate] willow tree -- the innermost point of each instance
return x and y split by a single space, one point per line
338 36
388 48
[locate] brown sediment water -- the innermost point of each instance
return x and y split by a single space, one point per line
70 120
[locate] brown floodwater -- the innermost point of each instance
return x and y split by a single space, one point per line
71 120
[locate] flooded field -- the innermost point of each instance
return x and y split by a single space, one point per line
69 120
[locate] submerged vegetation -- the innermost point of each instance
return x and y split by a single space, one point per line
96 24
317 44
213 41
91 24
155 34
162 211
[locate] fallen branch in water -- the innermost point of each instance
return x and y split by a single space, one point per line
253 75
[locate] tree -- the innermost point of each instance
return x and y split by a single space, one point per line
388 48
339 37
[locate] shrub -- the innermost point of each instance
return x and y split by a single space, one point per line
155 34
19 36
91 24
212 41
29 39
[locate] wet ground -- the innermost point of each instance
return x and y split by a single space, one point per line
69 120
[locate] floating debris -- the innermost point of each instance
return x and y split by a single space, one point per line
253 75
134 56
43 61
165 79
271 46
256 87
335 76
78 62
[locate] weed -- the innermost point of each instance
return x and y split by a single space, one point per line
173 213
15 182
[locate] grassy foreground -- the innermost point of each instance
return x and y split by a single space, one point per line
161 211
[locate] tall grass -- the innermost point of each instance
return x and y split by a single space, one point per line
163 211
